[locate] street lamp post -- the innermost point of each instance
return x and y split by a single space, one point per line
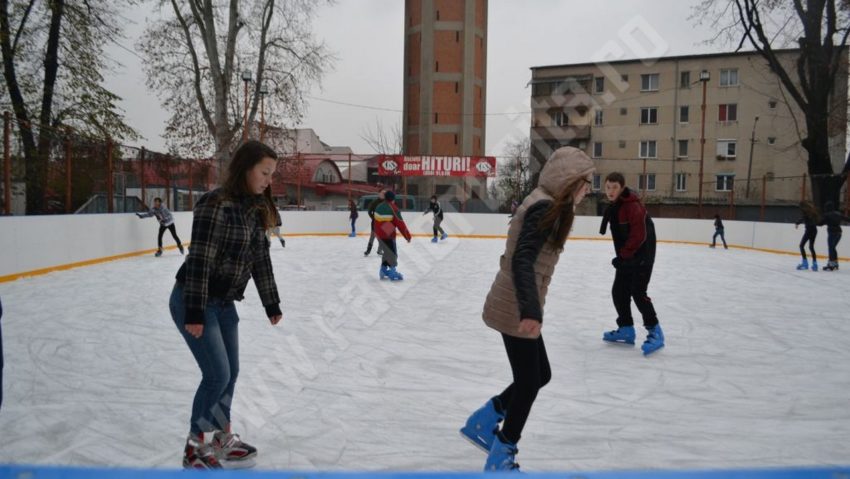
752 147
264 90
704 76
246 78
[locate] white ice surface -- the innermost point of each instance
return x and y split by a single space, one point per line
369 375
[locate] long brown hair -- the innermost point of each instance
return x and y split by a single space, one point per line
235 184
809 210
559 217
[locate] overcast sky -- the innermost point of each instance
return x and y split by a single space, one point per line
367 38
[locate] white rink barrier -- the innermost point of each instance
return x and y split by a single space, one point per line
31 245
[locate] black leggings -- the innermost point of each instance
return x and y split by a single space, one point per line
809 237
531 371
173 233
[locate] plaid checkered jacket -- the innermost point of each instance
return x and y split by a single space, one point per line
229 247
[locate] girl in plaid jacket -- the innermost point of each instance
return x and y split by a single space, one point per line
229 247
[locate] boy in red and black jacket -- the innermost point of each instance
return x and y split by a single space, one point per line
387 218
634 242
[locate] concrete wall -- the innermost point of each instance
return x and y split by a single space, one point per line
38 244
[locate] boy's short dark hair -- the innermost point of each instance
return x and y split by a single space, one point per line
616 177
158 199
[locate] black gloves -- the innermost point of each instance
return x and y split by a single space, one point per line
282 242
619 262
139 215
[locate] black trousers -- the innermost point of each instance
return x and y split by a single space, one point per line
389 252
531 371
832 239
809 237
629 284
173 234
437 228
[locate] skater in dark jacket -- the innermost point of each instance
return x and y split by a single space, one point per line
352 217
166 222
371 212
514 305
230 246
810 218
718 231
434 207
634 242
832 218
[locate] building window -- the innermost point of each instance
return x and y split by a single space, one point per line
559 118
648 149
729 77
681 181
597 118
457 37
649 82
597 149
726 149
436 117
437 66
725 182
599 84
685 80
771 104
683 149
684 114
455 138
646 182
622 143
771 140
624 77
438 15
727 112
623 111
457 87
597 182
649 115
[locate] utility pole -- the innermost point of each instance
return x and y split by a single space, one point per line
750 166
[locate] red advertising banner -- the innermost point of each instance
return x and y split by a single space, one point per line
399 165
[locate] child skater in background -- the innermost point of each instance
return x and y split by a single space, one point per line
514 306
166 222
387 220
434 207
718 231
352 217
810 218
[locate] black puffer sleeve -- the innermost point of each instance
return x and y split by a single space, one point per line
529 244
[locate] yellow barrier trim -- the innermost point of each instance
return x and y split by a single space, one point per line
90 262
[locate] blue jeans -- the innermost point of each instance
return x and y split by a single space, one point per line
353 221
217 354
718 232
832 240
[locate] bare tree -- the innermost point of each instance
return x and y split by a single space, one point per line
53 66
820 29
382 141
196 56
513 176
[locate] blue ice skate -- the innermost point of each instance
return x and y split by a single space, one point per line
654 340
384 273
814 265
804 265
158 253
352 234
502 456
394 275
434 239
444 236
480 428
623 334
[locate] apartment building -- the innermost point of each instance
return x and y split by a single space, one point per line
644 118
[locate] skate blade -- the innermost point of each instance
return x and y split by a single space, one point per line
239 464
473 442
621 342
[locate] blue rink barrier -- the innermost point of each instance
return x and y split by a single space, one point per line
43 472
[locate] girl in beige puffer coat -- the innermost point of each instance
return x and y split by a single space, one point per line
514 306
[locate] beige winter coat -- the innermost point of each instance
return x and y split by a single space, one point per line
501 310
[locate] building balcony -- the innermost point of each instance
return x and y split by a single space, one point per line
560 133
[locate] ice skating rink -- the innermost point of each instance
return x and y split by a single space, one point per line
369 375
